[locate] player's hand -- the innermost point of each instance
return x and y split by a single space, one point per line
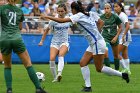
42 16
123 39
40 44
114 40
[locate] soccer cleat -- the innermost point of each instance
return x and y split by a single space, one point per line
9 90
126 71
55 80
40 90
86 89
125 77
59 77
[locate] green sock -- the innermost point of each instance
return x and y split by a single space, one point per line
107 62
8 77
33 77
117 64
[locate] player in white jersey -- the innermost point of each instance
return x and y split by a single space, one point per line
124 38
96 42
59 43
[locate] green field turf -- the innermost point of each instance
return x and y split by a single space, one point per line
72 80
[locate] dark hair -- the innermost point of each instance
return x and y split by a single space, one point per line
77 5
120 4
63 6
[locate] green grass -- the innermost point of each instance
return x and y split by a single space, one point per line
72 80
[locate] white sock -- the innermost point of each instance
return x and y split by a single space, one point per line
127 62
53 69
86 75
122 63
110 71
60 65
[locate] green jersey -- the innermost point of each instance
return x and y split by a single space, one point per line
110 26
11 16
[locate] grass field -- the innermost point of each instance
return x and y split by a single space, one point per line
72 80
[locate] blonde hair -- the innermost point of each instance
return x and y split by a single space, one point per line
12 1
107 4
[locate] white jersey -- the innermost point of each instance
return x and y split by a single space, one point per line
59 31
87 26
124 19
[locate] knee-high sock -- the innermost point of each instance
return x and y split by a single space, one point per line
107 62
53 69
60 65
122 63
110 71
33 76
8 77
127 62
86 75
117 64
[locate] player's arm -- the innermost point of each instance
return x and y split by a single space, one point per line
118 33
100 24
20 25
60 20
44 36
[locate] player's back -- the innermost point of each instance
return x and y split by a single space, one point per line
11 16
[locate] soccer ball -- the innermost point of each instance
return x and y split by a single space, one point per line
40 76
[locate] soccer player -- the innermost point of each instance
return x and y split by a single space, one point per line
59 43
124 38
111 33
97 45
11 40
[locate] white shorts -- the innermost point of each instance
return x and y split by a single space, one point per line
98 48
126 43
58 46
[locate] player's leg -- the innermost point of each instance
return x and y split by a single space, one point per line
62 51
98 60
7 72
106 58
53 53
20 49
85 70
115 51
24 56
126 59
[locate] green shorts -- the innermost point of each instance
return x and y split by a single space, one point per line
16 46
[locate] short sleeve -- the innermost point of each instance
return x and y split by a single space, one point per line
124 18
118 20
75 18
94 16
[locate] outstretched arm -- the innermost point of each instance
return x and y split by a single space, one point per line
44 36
60 20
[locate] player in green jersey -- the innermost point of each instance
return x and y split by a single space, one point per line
11 40
111 33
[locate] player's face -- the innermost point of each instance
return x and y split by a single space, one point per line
2 2
73 11
107 9
61 12
117 8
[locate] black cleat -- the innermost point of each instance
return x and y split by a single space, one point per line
86 89
40 90
125 77
9 90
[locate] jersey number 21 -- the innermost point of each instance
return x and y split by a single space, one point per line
12 19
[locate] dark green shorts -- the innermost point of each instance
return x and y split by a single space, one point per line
16 46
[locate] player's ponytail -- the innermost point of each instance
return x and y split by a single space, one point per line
12 1
77 5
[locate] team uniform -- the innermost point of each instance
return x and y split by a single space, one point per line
128 38
10 38
88 28
110 28
60 34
